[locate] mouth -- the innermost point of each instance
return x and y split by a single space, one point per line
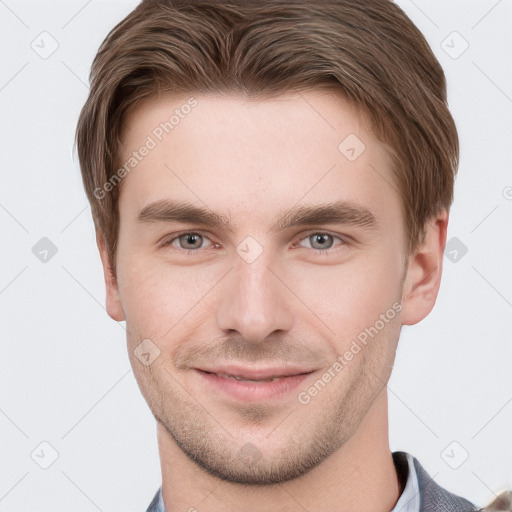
226 376
249 384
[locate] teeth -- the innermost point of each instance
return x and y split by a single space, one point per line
226 376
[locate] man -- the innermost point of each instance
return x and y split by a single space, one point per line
270 184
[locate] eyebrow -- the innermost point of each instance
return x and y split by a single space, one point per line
339 212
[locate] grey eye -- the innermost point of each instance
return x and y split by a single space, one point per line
321 241
190 239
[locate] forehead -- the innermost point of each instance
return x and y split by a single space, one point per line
244 157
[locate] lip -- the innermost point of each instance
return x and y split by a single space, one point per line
263 373
260 384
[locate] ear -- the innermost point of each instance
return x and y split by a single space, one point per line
113 300
424 269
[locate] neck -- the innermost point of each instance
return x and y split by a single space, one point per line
359 476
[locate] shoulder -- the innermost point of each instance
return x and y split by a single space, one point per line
435 498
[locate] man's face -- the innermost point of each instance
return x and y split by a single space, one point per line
249 292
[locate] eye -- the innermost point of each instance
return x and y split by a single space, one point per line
320 241
190 242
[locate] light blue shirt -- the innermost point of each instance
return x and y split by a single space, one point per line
409 500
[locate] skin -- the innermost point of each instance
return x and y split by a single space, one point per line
250 160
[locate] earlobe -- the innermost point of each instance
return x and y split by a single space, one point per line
423 277
113 301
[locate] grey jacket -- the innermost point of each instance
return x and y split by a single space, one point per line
433 498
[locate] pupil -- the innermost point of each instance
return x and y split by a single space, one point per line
321 239
191 238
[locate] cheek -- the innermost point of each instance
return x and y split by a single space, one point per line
158 297
350 298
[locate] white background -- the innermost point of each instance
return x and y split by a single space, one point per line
65 377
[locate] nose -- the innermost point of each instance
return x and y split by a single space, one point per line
255 302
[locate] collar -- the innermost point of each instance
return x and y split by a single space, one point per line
409 500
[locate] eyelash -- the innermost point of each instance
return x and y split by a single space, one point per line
168 243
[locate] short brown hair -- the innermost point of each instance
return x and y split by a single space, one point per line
369 50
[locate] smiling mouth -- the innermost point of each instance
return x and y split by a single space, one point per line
252 385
